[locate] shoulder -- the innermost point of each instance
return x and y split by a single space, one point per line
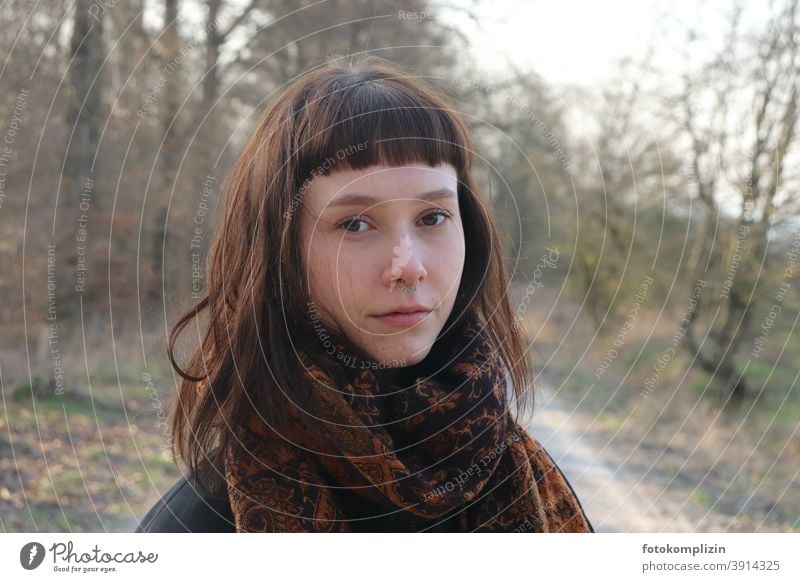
188 507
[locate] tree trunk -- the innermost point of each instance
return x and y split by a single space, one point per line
84 109
170 153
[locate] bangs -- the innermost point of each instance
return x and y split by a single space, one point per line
352 121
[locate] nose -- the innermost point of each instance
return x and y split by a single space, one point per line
405 265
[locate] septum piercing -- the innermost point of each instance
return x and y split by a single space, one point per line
406 290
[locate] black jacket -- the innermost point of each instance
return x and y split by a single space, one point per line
188 507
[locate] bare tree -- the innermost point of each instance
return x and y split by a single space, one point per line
84 114
739 137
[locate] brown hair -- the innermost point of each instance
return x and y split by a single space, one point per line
256 300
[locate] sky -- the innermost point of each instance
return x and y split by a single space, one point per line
571 42
576 42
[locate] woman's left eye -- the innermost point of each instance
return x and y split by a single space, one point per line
438 212
355 220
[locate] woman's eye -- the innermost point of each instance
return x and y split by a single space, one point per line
437 213
351 221
348 223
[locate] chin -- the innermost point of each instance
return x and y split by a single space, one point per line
417 354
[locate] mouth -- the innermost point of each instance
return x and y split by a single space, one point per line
403 318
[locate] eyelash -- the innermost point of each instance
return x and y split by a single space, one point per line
360 218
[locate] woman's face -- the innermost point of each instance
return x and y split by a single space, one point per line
368 233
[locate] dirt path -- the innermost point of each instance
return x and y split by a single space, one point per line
615 496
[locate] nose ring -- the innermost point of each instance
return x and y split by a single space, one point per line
406 290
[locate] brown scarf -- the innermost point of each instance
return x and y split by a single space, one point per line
445 448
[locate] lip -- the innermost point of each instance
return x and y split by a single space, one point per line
404 318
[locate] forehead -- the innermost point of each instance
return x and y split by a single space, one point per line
383 183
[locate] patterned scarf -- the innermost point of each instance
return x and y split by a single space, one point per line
445 448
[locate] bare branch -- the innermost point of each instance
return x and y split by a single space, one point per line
238 20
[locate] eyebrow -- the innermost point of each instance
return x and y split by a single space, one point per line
364 200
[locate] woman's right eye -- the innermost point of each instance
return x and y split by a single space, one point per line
347 222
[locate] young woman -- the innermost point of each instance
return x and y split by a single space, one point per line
359 347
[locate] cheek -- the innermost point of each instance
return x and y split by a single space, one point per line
317 269
452 256
336 274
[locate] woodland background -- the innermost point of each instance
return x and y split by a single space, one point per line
650 223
